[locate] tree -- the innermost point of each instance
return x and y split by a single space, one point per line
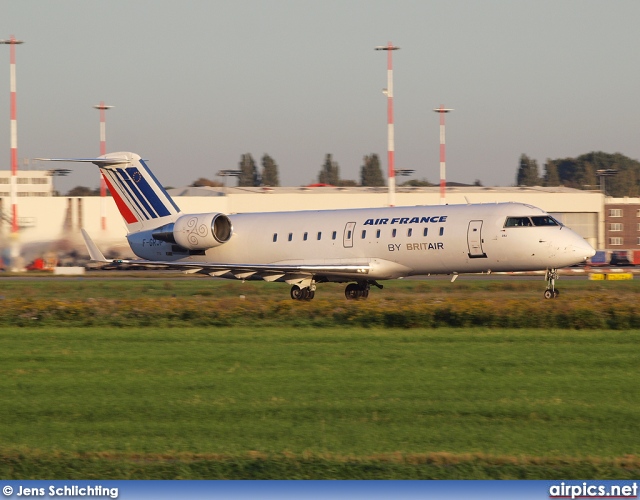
581 172
269 172
370 172
330 172
551 177
249 172
527 172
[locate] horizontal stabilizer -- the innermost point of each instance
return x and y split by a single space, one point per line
94 252
101 162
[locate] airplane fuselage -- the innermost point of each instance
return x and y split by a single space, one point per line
395 242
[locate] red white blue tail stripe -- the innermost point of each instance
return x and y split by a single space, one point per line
141 197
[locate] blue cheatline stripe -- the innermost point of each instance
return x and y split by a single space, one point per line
147 191
125 175
131 197
158 185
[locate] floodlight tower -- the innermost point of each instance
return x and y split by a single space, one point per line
103 151
443 168
390 136
12 42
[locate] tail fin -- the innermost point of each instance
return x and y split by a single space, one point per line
140 198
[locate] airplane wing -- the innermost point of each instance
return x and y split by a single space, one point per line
291 273
268 272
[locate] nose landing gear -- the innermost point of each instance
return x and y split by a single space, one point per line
551 277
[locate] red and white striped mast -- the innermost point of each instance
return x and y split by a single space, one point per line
12 42
103 151
390 132
443 166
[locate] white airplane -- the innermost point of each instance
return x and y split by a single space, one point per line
355 246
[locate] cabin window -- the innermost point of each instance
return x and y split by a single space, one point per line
393 233
441 231
319 235
364 234
275 237
378 233
305 236
425 232
409 232
290 236
349 234
333 235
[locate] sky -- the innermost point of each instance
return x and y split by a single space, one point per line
197 83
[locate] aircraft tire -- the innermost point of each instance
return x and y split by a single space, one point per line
351 292
295 292
548 294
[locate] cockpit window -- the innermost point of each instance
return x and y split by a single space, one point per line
518 222
537 220
544 220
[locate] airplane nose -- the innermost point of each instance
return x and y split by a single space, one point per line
583 249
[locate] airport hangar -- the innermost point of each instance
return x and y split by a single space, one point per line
50 222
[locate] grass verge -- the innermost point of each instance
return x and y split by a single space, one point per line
331 403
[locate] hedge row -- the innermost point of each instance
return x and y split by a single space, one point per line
413 313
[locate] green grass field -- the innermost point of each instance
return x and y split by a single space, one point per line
316 403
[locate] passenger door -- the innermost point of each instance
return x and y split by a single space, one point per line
474 240
348 234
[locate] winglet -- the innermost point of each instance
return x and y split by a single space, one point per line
94 252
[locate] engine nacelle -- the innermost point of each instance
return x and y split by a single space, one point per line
197 231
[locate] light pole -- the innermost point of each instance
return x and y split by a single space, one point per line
603 174
443 167
390 137
12 42
103 151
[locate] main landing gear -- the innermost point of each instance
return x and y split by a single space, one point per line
353 291
305 293
551 277
359 290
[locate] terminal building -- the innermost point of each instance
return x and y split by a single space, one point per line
50 223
